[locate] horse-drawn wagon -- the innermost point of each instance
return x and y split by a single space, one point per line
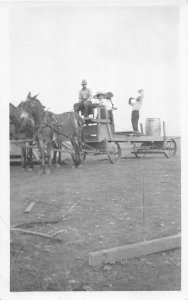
91 136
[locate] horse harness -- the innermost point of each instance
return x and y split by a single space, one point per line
55 126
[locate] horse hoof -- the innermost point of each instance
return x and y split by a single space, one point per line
30 169
47 171
79 167
57 165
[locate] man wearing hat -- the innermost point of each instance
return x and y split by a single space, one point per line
84 105
136 109
104 99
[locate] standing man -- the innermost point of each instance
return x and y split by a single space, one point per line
84 105
136 109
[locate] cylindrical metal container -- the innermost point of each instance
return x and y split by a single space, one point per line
153 127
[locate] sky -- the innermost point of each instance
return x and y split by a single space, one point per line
115 48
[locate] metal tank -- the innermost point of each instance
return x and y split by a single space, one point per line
153 127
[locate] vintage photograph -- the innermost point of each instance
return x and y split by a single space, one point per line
95 147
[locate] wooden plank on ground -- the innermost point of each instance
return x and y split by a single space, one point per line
29 207
134 250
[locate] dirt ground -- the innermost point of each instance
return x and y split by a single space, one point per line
98 206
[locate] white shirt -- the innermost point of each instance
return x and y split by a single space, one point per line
137 105
85 94
105 102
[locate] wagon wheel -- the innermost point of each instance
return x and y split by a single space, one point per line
170 148
138 153
113 152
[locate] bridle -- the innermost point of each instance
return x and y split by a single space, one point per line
53 125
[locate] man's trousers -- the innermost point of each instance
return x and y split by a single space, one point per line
134 119
86 108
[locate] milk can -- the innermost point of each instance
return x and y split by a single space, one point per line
153 127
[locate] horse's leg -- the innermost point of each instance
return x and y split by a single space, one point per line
54 159
81 140
79 149
23 158
78 138
42 151
30 157
49 149
57 145
61 161
59 157
76 157
73 159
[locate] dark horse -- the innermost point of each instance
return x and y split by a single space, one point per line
17 133
50 127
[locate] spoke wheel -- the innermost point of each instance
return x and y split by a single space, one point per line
113 152
170 148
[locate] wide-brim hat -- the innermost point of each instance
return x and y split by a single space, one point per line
109 95
98 94
84 81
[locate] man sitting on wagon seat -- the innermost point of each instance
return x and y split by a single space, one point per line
84 105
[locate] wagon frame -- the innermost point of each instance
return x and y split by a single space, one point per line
100 138
145 144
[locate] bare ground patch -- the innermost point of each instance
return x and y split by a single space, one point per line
107 211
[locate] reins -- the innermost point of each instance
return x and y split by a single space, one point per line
55 130
51 126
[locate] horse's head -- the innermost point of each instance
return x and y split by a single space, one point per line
32 109
33 105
